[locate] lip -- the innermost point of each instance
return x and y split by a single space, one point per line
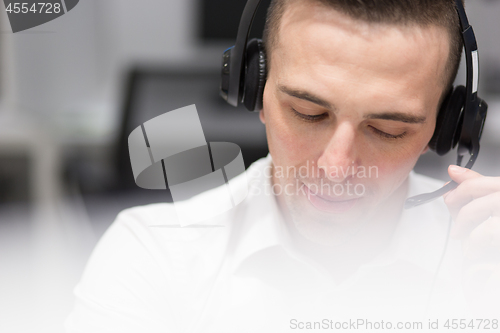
330 204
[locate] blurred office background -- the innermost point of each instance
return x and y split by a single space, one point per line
71 91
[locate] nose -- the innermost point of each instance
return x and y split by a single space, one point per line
339 159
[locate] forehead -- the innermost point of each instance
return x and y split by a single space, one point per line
318 46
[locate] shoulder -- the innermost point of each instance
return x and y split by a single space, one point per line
141 276
126 270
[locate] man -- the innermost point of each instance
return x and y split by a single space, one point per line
350 103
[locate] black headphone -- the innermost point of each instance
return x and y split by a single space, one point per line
460 119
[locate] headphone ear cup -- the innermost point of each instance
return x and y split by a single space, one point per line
255 75
449 122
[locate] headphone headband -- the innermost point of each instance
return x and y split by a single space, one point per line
468 141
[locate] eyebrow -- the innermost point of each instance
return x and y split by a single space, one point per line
305 96
395 116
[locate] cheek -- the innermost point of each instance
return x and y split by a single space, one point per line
393 170
286 145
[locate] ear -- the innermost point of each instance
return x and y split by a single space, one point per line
426 149
262 116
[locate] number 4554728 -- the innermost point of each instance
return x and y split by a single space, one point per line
471 324
36 8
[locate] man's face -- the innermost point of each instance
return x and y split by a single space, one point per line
349 107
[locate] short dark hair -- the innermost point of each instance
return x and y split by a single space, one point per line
398 12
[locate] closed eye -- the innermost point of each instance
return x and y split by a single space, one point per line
387 135
308 117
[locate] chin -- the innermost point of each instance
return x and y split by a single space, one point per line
326 228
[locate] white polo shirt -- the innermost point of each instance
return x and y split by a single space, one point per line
238 273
